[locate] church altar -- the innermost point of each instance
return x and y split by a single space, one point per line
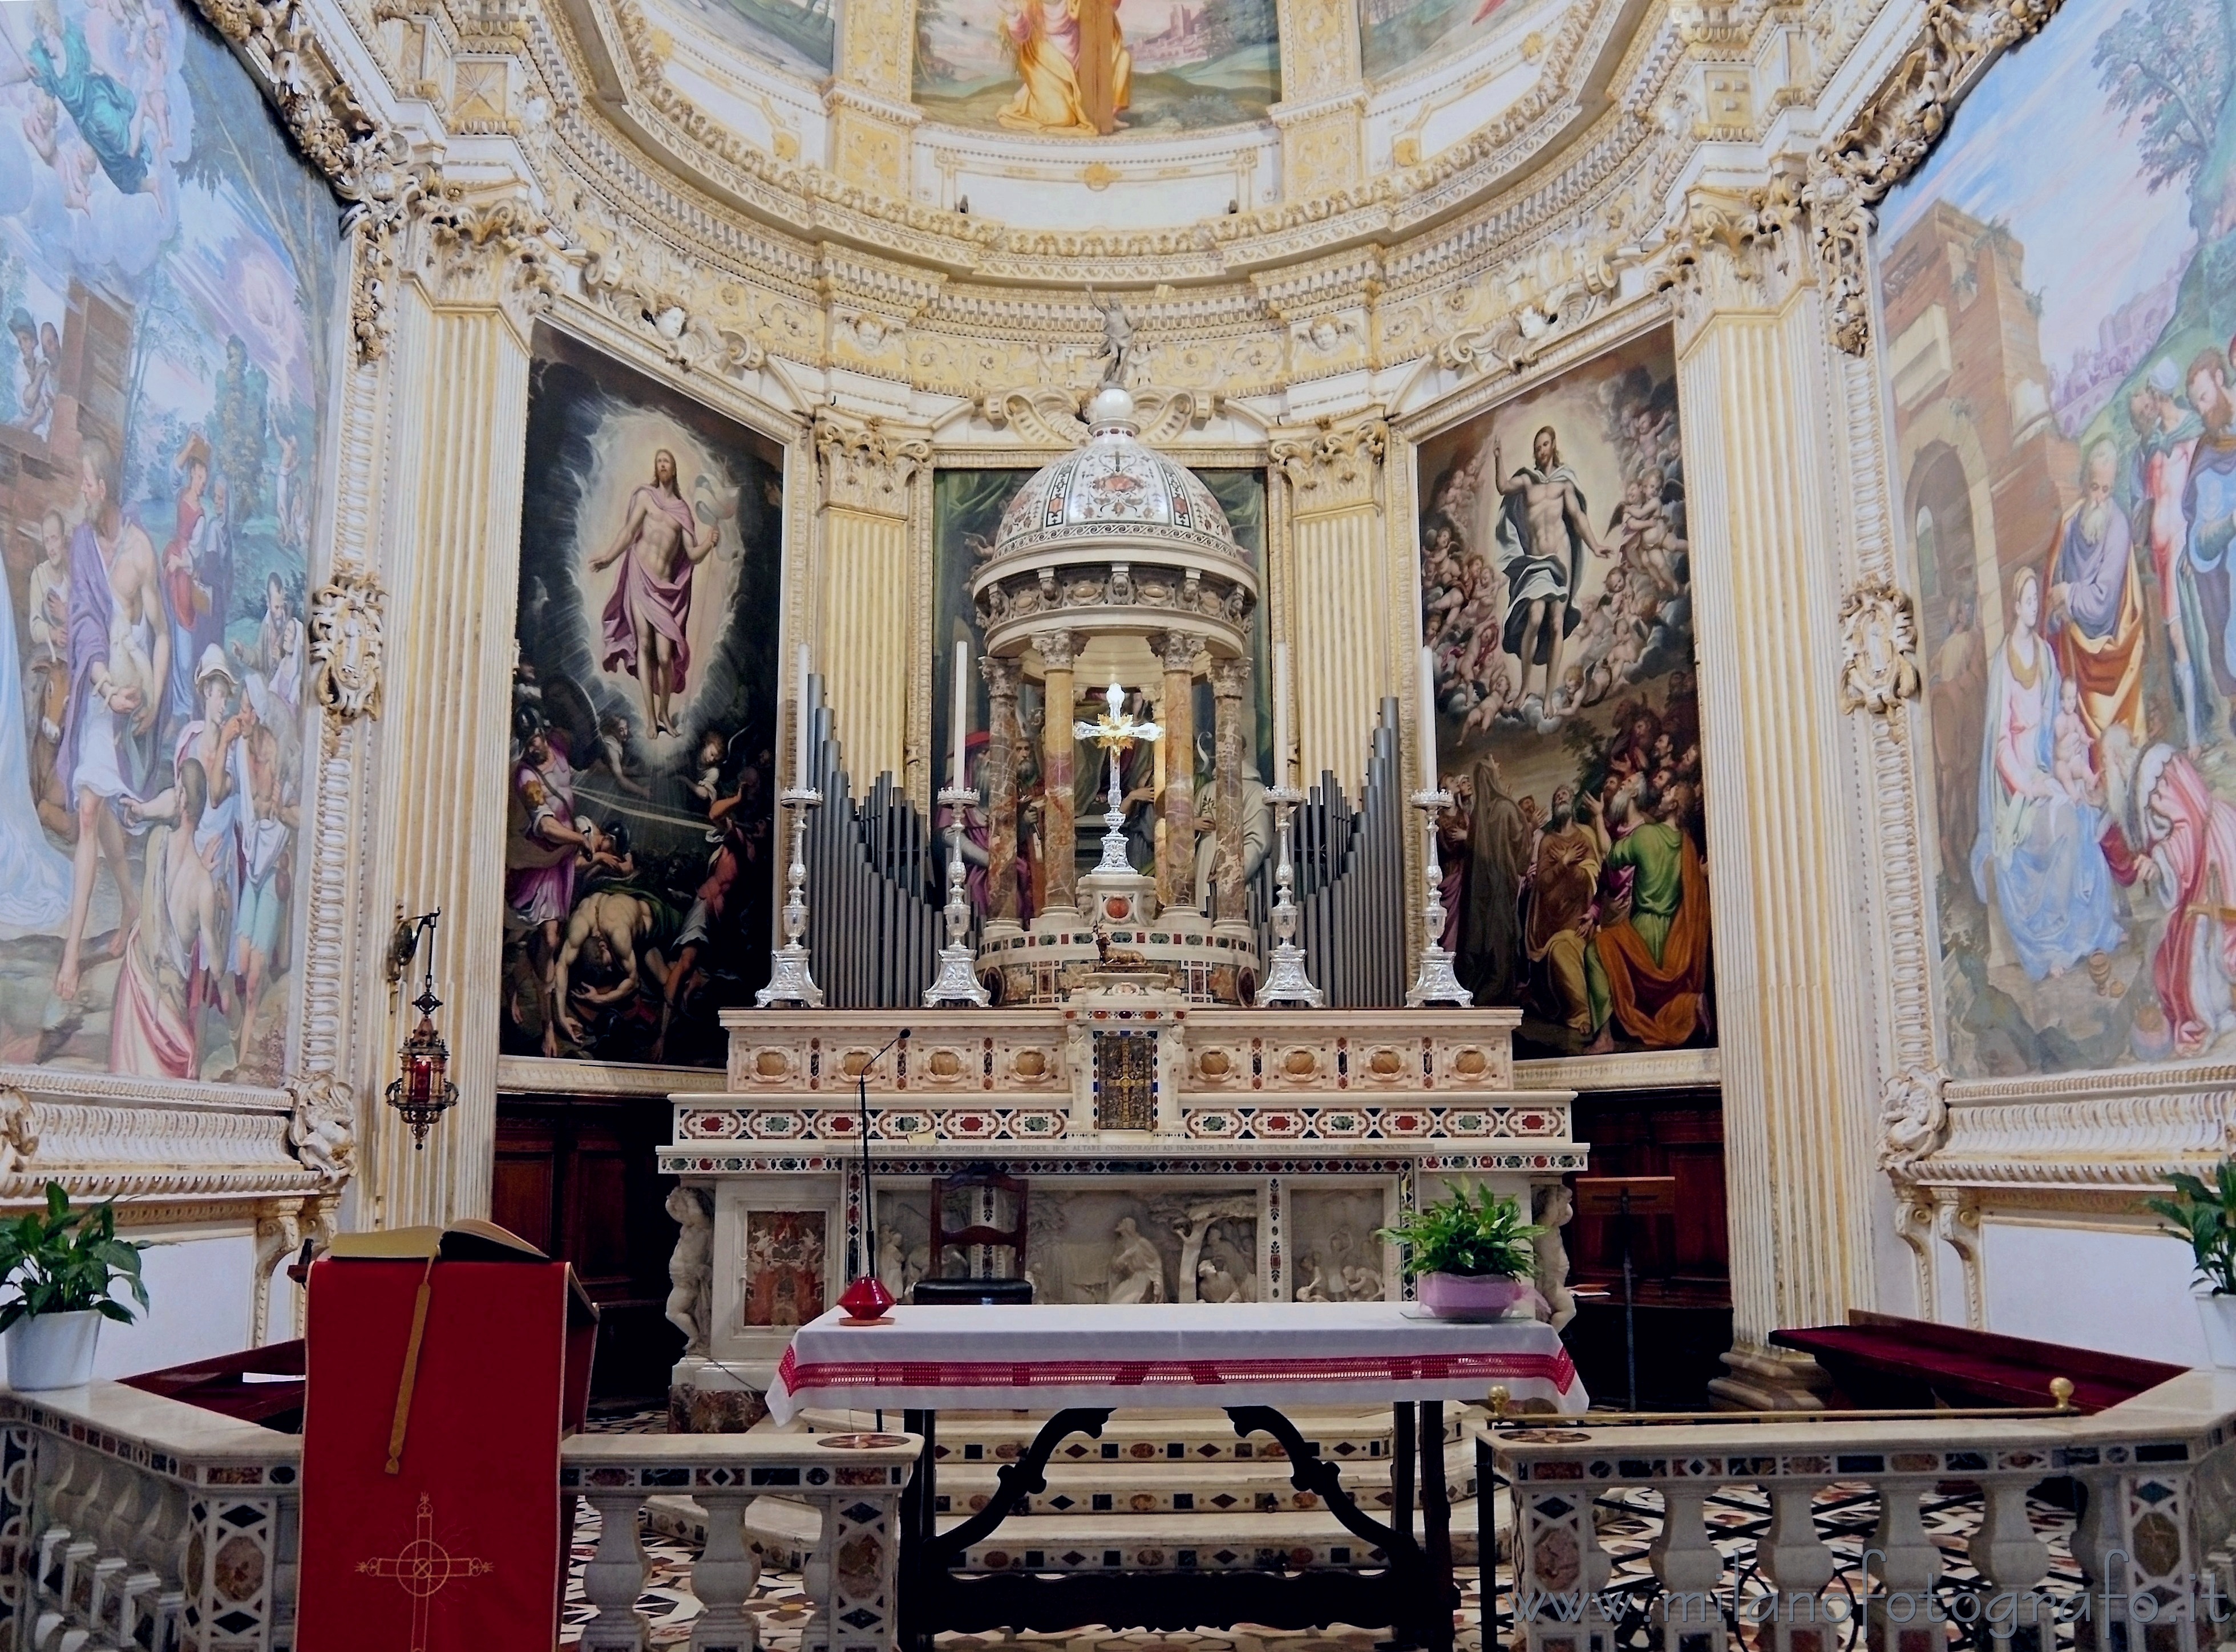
1170 1152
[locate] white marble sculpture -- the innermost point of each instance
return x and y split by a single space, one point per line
1137 1272
689 1268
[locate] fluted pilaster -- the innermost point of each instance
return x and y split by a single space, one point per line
1341 613
868 476
1791 988
453 555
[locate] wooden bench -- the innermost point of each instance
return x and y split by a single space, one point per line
1882 1361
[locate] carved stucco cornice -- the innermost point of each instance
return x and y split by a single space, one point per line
1892 134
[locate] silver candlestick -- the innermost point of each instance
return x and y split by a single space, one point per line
1286 980
790 983
958 982
1435 984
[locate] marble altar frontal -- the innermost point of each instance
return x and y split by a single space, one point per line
1275 1145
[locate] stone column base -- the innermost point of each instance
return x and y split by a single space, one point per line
709 1397
1764 1379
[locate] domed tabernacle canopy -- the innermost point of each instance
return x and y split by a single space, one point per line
1115 493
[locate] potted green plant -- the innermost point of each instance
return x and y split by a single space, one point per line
2205 1214
63 1265
1470 1257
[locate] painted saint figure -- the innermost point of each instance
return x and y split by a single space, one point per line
647 618
1543 533
2095 602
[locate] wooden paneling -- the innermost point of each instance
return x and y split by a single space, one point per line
575 1176
1681 1259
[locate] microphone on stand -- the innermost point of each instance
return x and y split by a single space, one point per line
866 1300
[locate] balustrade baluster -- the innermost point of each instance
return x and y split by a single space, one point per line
1691 1570
2013 1560
724 1574
1799 1565
614 1575
1904 1563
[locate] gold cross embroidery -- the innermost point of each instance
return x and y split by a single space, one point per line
424 1568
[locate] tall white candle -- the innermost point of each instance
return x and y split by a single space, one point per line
1428 719
799 723
958 719
1281 713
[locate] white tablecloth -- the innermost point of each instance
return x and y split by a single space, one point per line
1043 1358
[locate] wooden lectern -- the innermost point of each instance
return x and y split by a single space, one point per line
444 1366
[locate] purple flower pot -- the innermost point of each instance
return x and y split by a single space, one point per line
1473 1296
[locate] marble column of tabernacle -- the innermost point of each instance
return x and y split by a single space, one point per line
1228 679
999 771
1176 866
1056 649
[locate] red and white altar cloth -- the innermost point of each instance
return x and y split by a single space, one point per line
1050 1357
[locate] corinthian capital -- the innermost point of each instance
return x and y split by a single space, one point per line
1001 677
865 465
1058 649
1176 650
498 252
1332 466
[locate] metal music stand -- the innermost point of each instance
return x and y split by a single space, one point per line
1623 1197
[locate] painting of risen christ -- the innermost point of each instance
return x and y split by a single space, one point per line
647 621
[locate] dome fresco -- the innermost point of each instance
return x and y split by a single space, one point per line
1115 487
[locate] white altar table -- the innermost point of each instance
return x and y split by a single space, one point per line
1251 1359
1168 1355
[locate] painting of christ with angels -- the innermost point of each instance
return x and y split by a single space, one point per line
641 786
1091 68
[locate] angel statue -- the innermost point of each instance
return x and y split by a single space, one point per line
1117 337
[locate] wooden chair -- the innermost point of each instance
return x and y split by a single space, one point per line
1012 1288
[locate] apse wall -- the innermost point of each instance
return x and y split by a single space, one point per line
1830 394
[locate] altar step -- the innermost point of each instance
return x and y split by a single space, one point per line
1172 1506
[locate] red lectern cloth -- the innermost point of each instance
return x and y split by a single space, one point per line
460 1549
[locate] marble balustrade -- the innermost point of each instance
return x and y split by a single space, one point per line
132 1521
2152 1542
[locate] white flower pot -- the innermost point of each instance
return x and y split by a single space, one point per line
1472 1297
52 1351
2217 1314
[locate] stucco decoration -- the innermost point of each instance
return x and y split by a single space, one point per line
322 1126
1878 648
347 644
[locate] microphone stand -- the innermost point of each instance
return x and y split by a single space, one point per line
869 1196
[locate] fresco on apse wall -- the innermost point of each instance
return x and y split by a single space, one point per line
1080 68
967 508
2058 323
169 274
797 35
1557 595
1395 35
641 780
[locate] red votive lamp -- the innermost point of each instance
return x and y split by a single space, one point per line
865 1302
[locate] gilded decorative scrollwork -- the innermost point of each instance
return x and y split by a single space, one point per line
1878 648
345 642
1051 418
